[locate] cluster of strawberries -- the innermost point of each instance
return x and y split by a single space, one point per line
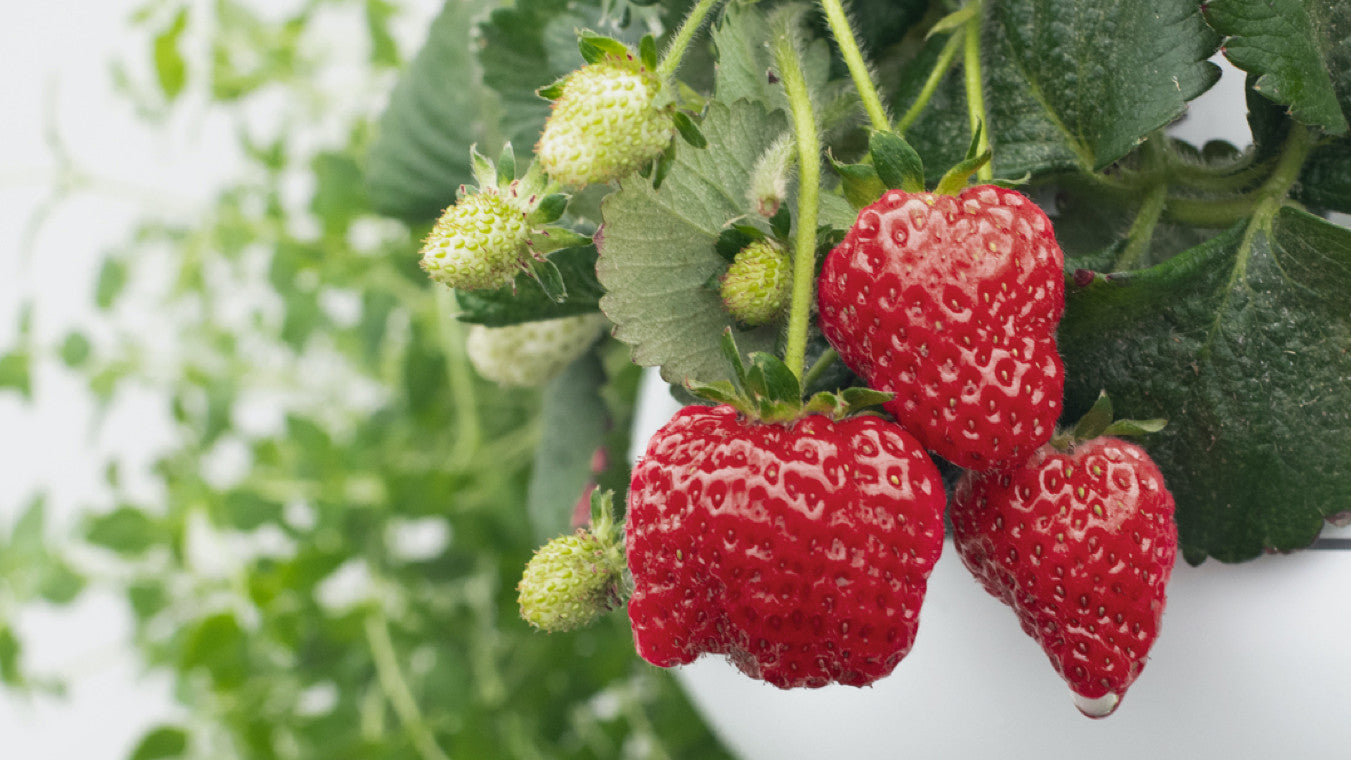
797 538
801 548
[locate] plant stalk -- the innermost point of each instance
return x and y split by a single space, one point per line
975 91
675 52
940 69
396 689
788 60
858 68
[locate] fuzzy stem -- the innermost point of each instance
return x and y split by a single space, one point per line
858 68
682 39
940 69
975 92
787 58
823 362
1142 229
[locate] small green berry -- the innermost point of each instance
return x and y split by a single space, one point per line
757 284
605 123
531 354
571 581
478 243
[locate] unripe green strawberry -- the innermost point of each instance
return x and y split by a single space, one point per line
756 286
605 124
478 243
532 353
570 582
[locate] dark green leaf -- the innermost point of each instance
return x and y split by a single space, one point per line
860 183
1325 182
546 275
1241 345
735 238
1095 420
161 743
1300 51
897 164
572 427
780 384
218 644
420 154
689 131
498 308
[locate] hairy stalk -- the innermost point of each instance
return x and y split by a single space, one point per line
823 362
858 68
1142 229
396 689
468 427
936 74
670 62
789 62
1210 212
975 90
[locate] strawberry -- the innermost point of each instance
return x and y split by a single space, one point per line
1080 543
797 544
756 287
574 579
951 303
530 354
607 121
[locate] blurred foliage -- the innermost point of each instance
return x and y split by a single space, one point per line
329 566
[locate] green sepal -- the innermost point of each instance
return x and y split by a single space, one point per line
689 131
553 239
770 378
662 167
552 91
1130 428
506 165
603 525
860 183
647 51
896 162
1095 420
596 48
781 224
859 399
957 177
545 273
550 209
727 344
973 147
485 174
721 392
735 238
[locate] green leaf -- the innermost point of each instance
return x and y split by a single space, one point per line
860 183
1241 345
59 583
420 154
124 530
744 61
659 248
546 275
689 131
897 164
384 50
773 379
1300 51
16 372
112 280
1068 84
170 68
525 301
10 649
1325 182
572 428
75 350
217 644
161 743
1095 420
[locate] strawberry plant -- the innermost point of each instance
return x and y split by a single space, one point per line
890 254
974 209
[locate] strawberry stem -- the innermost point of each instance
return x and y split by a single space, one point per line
788 60
940 69
975 89
675 51
858 68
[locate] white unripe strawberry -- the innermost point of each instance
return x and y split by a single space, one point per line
606 123
477 243
757 284
531 354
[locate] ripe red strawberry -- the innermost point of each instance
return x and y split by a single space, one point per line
801 549
951 303
1081 544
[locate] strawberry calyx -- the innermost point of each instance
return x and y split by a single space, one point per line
767 391
1098 422
575 579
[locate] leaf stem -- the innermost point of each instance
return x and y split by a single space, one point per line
936 74
858 68
1142 229
823 362
675 51
468 427
396 689
975 90
787 58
